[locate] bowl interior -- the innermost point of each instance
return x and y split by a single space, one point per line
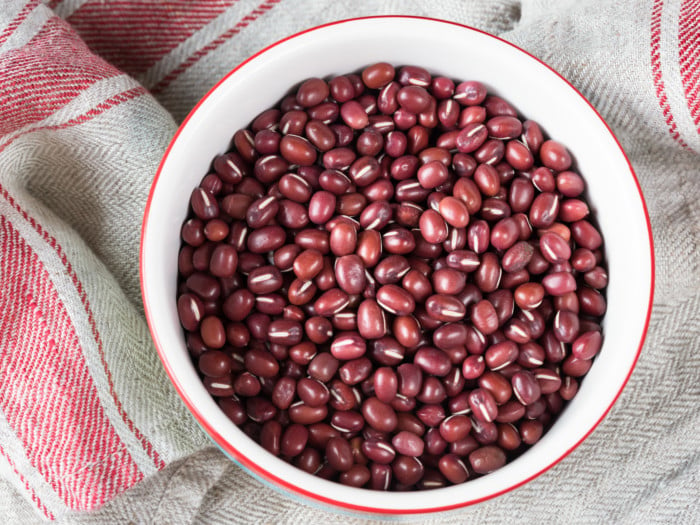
462 54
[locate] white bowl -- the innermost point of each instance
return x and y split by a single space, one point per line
461 53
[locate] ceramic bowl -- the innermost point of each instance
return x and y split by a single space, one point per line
461 53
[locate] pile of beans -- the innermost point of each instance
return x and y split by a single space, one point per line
391 280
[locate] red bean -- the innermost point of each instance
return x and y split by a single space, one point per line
212 332
501 354
453 468
555 156
408 444
432 361
348 345
471 137
483 405
407 470
297 150
231 167
308 264
312 92
587 345
371 322
484 317
432 174
331 302
529 296
525 387
455 428
566 326
487 459
504 233
447 213
395 300
261 363
559 283
433 227
470 93
306 415
454 212
190 311
487 179
378 415
570 184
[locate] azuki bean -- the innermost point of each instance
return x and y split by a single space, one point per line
357 476
565 326
596 278
555 156
371 322
378 451
348 345
453 468
212 332
570 184
483 405
445 308
559 283
454 212
190 311
306 415
591 301
433 227
284 332
432 174
587 345
470 93
261 363
483 213
318 329
378 415
544 210
525 387
431 415
484 317
407 470
247 385
408 444
501 355
355 371
471 137
395 300
455 428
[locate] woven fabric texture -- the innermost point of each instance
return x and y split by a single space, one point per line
91 92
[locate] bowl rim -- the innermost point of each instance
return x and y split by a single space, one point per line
258 471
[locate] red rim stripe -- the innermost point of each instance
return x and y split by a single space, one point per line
299 490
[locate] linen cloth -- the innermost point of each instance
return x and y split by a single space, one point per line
91 91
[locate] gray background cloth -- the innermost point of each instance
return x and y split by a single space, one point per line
641 465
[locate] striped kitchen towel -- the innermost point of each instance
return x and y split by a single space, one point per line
91 92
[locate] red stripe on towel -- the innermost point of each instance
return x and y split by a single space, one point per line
46 74
48 396
689 55
134 35
656 71
211 46
51 241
